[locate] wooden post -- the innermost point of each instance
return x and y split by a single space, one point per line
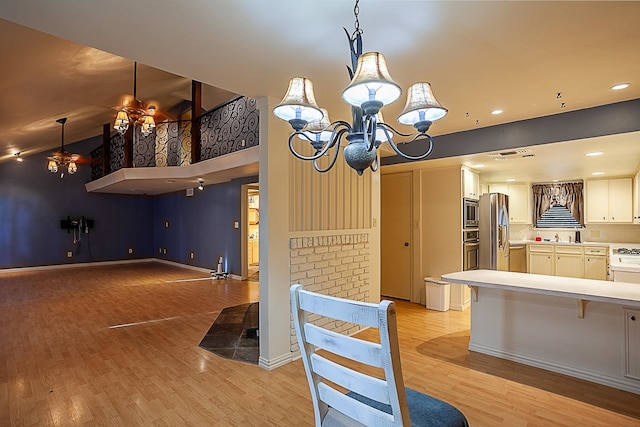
106 149
128 147
196 108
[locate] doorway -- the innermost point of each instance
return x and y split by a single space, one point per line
395 235
252 233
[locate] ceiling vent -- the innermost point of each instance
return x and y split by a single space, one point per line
512 154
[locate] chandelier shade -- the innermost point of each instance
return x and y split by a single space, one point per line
299 103
62 160
371 82
421 106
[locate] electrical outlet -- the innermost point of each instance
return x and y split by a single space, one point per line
191 255
595 233
130 250
236 224
243 143
166 224
164 251
159 250
69 254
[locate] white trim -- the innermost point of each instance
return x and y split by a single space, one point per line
630 385
79 264
275 362
125 261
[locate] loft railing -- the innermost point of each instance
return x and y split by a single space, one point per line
225 129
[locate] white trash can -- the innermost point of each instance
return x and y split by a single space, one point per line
437 294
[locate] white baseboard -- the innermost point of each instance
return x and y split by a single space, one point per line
621 383
75 265
270 364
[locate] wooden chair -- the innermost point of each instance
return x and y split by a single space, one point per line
369 400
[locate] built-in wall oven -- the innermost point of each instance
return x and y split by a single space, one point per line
471 239
470 210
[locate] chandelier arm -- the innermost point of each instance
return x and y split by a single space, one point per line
370 126
335 139
333 161
420 157
374 165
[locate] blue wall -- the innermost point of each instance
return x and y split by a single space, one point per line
202 224
33 201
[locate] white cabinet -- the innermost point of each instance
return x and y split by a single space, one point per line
519 201
470 184
596 259
610 200
254 251
569 261
632 343
588 262
540 259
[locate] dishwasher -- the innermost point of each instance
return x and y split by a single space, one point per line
518 258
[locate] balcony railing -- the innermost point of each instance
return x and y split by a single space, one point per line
226 129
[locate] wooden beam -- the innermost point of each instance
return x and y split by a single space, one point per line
196 108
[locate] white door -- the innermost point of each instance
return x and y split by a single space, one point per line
395 235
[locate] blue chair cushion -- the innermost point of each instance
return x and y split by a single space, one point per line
424 410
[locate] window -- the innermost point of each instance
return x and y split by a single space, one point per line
558 205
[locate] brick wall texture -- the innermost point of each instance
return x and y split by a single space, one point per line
331 265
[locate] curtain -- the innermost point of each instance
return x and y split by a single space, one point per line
567 194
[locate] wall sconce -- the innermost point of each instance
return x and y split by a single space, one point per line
200 184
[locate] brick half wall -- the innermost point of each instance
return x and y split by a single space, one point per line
336 265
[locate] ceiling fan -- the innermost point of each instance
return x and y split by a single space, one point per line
137 113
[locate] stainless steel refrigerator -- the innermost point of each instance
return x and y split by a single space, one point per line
493 253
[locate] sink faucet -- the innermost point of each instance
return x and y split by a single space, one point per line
557 237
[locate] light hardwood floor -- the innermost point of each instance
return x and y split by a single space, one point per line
118 345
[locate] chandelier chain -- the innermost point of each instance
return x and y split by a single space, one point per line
356 12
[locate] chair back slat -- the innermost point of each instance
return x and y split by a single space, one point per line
365 385
365 414
357 312
342 345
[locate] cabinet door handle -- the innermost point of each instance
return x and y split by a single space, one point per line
633 318
406 243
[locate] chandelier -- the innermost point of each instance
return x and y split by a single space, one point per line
63 160
370 89
135 112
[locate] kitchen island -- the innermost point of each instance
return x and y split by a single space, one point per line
588 329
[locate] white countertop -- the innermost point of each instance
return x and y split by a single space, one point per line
553 242
567 287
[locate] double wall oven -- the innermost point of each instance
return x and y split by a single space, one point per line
470 234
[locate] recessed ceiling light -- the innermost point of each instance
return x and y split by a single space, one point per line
594 153
496 112
511 180
477 166
598 173
555 180
620 86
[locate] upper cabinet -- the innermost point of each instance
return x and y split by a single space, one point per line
610 200
519 201
470 184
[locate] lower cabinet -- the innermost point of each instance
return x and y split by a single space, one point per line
567 260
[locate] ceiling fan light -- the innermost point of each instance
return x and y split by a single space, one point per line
72 168
421 106
53 166
148 125
299 103
371 82
122 122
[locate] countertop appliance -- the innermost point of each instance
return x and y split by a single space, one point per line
493 253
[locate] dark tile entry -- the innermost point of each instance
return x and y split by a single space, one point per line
233 334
